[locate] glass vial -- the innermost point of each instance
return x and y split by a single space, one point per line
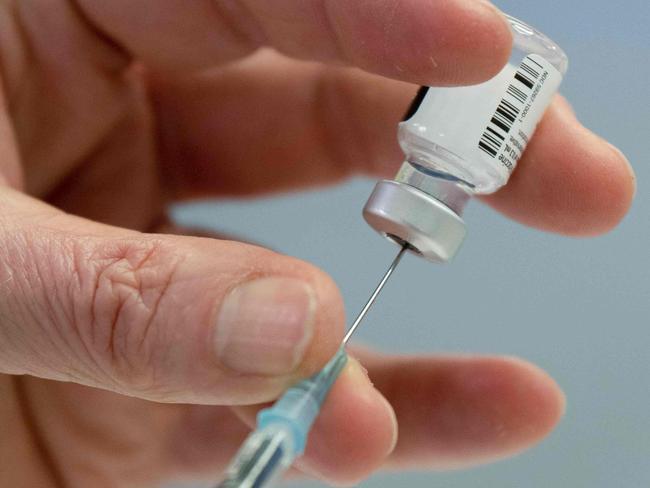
461 141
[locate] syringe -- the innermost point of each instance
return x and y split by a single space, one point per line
281 433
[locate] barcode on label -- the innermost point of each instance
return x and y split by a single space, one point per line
510 107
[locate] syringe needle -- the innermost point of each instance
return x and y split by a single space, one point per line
375 294
282 429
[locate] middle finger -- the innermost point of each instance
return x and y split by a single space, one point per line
302 124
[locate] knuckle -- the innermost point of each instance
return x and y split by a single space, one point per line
35 314
128 282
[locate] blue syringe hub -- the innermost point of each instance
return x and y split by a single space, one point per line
298 407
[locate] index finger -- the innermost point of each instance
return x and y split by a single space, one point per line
435 42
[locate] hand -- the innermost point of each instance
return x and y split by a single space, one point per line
112 110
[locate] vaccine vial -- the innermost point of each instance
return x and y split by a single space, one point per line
462 141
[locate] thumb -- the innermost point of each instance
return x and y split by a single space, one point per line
166 318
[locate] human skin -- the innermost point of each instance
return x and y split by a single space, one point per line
113 343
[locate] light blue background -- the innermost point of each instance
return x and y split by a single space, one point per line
578 308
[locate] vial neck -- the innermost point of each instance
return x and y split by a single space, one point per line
451 191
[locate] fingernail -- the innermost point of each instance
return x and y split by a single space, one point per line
264 326
629 166
359 375
395 426
492 8
565 106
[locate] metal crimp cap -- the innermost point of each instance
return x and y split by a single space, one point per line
401 212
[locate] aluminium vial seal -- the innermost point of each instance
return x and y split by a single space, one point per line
424 212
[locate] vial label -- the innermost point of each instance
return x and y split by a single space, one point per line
477 133
511 125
